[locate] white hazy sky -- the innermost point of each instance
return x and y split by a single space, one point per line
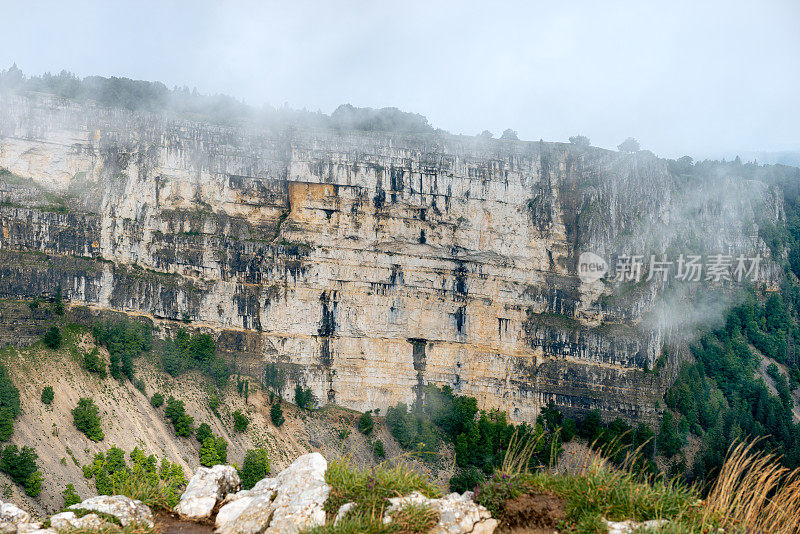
702 78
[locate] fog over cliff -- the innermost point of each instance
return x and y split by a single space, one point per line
709 79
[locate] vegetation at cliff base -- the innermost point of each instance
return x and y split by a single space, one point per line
187 352
125 340
304 398
52 338
480 437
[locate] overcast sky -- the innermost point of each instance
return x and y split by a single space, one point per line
698 78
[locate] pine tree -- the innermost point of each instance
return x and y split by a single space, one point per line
208 453
276 414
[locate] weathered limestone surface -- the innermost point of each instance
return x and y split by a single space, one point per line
207 487
127 510
70 521
11 517
367 264
287 504
458 514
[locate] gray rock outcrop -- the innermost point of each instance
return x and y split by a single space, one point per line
287 504
127 510
206 488
458 513
625 527
71 521
11 517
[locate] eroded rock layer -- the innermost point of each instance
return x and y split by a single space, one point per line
368 264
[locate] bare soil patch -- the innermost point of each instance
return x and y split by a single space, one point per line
532 512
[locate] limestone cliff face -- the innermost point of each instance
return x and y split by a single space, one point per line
368 264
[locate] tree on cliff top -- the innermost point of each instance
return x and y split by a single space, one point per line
580 140
510 135
349 117
629 145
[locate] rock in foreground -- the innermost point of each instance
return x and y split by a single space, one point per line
11 517
206 488
127 510
458 514
286 504
71 521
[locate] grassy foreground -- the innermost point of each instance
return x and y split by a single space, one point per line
753 493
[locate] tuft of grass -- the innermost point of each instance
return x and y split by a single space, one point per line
754 493
599 491
617 494
110 528
370 490
414 518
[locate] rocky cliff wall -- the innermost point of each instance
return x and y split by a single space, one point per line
369 264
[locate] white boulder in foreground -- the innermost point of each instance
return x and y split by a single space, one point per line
458 513
34 528
70 521
624 527
11 517
206 488
127 510
286 504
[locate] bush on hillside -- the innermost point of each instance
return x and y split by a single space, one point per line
276 414
176 414
21 466
48 395
93 363
70 496
203 432
377 450
52 338
86 416
156 485
366 423
254 468
240 421
214 451
157 400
